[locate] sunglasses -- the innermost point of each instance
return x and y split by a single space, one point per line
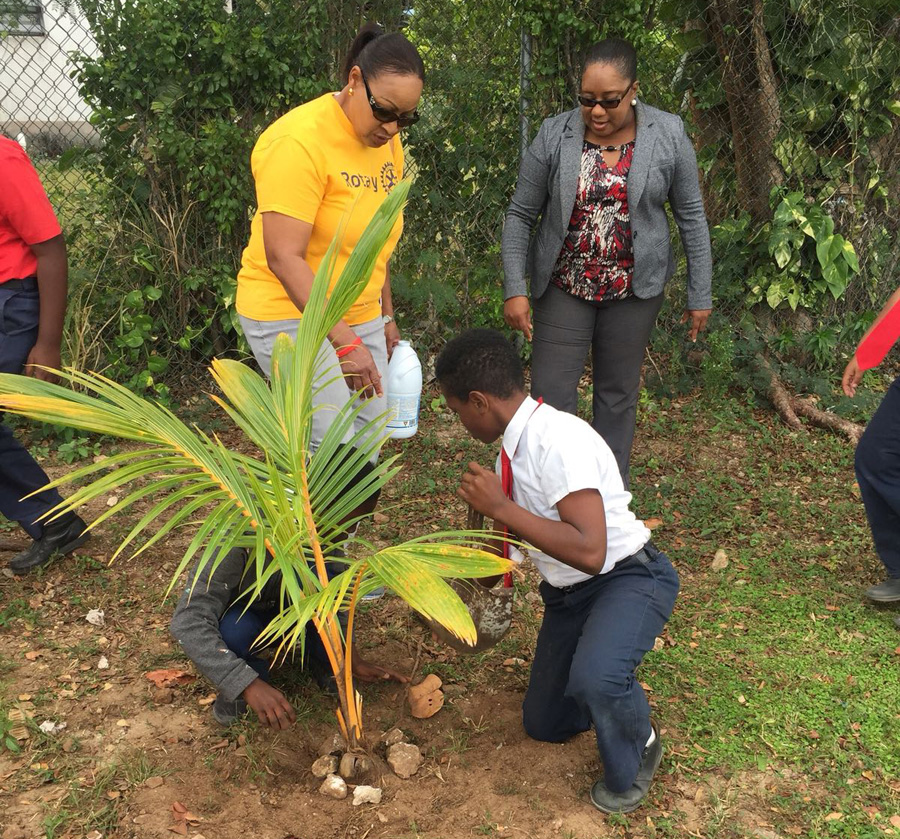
606 104
385 115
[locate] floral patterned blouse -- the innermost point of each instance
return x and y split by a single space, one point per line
596 262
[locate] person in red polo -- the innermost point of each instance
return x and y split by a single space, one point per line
33 290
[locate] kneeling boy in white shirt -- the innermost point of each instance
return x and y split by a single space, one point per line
607 590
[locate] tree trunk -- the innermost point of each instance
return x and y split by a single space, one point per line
751 90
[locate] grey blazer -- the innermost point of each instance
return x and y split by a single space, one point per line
664 168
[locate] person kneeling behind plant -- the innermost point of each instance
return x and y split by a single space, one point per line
218 631
607 590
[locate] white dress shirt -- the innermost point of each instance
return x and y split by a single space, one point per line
554 454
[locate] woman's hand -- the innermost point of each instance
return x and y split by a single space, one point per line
270 705
391 337
698 319
361 372
517 314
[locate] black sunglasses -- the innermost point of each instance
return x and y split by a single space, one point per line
606 104
383 114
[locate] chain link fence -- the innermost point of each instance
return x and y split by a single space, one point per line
141 114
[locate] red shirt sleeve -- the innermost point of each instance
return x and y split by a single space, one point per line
24 205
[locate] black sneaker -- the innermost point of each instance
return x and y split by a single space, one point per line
59 538
226 712
624 802
886 592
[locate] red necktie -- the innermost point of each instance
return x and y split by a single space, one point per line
506 481
874 347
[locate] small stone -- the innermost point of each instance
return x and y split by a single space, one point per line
392 737
334 787
324 766
405 759
382 818
366 795
162 696
154 782
103 664
15 832
720 561
95 617
332 745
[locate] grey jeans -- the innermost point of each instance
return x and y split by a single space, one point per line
616 332
333 396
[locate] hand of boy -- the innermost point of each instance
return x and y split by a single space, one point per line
270 705
481 488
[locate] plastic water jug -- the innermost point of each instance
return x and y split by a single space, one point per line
404 389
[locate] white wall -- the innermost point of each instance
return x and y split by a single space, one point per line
36 94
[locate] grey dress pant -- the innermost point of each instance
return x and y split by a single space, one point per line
616 332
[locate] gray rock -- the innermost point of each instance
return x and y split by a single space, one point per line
331 745
366 795
324 766
334 787
392 737
405 759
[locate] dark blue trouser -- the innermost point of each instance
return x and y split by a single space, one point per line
19 472
878 474
240 630
589 645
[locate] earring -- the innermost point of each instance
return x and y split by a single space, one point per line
633 102
350 91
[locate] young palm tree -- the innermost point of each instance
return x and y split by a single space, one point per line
290 507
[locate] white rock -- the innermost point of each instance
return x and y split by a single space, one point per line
103 664
50 727
405 759
720 561
95 617
334 787
366 795
324 766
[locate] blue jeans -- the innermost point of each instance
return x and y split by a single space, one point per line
20 310
588 648
878 474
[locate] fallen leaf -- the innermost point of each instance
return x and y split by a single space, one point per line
154 782
178 807
34 655
652 524
834 817
180 828
123 723
170 678
207 700
895 822
95 617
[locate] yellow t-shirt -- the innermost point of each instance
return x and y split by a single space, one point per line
311 166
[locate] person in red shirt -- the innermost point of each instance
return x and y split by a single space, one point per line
877 459
33 290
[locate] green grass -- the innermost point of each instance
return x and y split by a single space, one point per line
775 661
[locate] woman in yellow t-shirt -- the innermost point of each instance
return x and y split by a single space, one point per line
336 153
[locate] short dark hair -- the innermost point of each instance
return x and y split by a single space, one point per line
615 51
479 359
375 52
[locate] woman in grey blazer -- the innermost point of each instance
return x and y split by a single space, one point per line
596 181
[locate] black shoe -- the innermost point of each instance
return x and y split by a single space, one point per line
886 592
322 675
625 802
59 537
226 712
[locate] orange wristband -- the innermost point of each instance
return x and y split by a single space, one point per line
349 348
